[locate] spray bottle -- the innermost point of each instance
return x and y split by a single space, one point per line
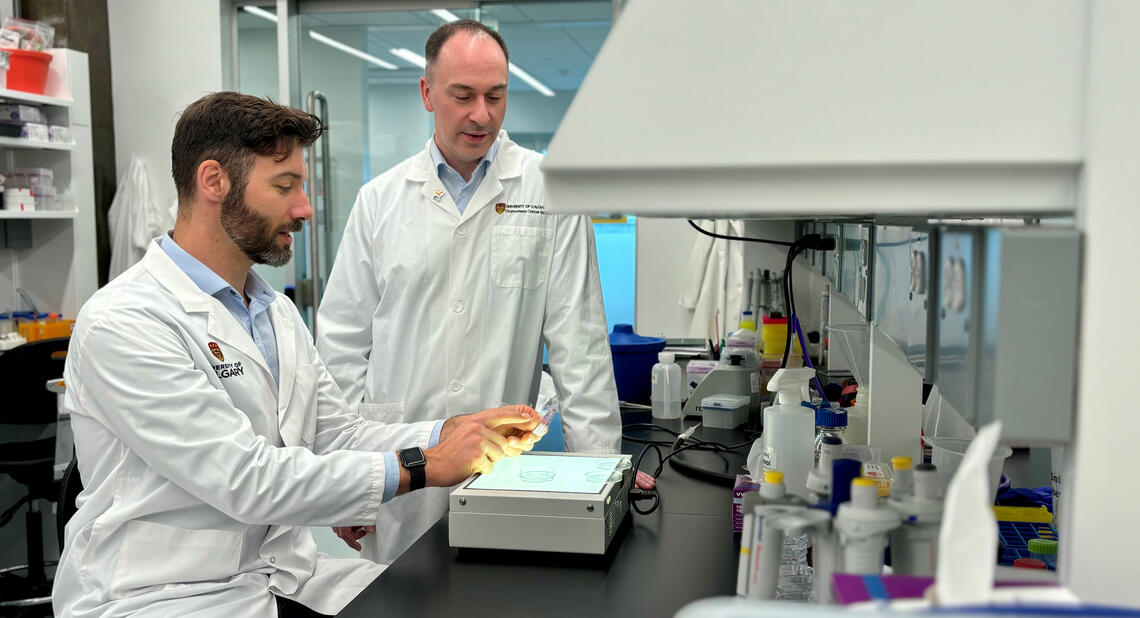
789 429
914 545
863 527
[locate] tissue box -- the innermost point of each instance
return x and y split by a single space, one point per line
851 588
744 484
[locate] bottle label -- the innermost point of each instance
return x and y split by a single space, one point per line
770 458
653 378
755 383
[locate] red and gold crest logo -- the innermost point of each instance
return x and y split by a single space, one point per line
500 208
217 352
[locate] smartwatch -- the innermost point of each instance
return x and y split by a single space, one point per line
414 461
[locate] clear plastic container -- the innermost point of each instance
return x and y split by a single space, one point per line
795 581
947 455
665 389
33 35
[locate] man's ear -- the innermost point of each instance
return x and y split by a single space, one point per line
425 93
213 181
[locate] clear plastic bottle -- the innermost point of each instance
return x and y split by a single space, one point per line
795 581
665 392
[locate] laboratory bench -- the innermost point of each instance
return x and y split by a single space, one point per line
682 552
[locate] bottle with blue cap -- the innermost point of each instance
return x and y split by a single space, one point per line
831 422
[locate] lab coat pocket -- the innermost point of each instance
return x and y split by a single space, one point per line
520 256
382 412
298 422
157 554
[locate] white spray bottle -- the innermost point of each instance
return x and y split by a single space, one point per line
789 429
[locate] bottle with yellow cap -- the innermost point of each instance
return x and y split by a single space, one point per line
914 545
863 526
902 486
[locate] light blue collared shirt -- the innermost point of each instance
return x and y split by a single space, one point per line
461 190
259 325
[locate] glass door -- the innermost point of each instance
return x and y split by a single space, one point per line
366 65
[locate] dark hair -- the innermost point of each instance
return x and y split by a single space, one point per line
232 128
443 33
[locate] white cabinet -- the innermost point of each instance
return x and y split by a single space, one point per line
50 254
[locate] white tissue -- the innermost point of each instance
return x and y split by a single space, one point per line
968 538
755 460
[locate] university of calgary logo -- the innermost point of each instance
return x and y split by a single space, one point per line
217 352
500 208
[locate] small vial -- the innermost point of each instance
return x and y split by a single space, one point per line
903 484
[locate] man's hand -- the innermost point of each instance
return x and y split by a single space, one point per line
351 535
644 481
474 442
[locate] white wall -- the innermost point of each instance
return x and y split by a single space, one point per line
663 247
165 54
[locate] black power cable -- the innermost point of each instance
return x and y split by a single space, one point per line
677 446
782 243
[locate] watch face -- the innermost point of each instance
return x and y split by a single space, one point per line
412 457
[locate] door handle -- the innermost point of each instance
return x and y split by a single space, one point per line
313 289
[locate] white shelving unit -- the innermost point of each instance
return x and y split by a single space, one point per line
50 254
38 214
30 144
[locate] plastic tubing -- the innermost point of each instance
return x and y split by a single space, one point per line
795 322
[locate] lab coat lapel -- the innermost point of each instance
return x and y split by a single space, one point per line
290 419
423 170
221 326
283 328
434 192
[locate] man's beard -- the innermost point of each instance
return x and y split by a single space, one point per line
253 234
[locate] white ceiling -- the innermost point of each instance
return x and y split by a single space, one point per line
554 41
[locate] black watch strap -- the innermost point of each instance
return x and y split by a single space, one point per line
415 462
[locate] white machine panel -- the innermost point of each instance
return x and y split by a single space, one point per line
552 502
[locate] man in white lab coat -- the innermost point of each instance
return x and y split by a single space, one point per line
451 276
209 434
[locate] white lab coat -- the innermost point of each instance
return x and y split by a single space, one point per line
711 288
200 474
134 218
430 313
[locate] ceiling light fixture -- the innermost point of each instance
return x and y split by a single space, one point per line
316 36
448 16
260 12
445 15
409 56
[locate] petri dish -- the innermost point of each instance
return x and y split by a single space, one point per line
536 474
604 476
